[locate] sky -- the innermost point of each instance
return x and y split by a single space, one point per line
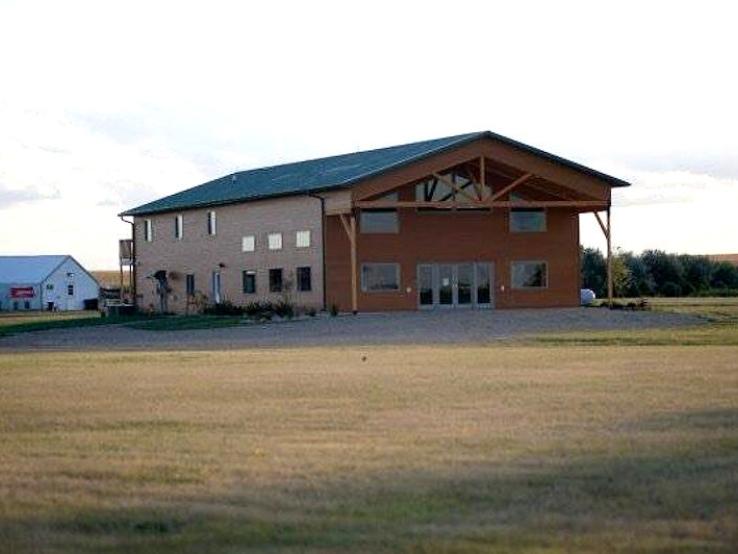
108 105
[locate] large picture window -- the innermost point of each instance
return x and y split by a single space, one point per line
529 275
379 277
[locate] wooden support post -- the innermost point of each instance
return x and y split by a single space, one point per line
609 260
605 226
354 283
350 228
482 177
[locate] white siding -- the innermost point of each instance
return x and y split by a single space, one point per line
68 273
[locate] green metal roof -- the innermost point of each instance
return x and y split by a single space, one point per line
334 172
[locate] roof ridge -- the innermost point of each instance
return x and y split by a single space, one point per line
357 152
328 173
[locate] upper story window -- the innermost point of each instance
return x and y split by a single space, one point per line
148 230
529 275
380 220
302 239
248 243
178 226
212 226
526 220
274 241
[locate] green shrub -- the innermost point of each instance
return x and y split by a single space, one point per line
224 308
259 310
284 308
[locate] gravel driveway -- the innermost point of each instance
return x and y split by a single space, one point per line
439 327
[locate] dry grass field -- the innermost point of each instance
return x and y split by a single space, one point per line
110 278
547 445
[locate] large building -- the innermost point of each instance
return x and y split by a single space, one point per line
475 220
56 282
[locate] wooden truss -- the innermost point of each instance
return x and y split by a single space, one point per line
478 200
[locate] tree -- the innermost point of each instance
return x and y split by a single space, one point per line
640 282
594 271
697 272
724 276
620 274
666 271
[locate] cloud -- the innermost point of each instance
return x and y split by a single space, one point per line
9 197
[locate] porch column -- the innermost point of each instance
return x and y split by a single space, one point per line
609 259
354 280
607 231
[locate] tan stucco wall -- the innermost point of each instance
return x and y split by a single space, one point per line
201 254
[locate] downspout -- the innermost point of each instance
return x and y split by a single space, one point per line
323 244
134 289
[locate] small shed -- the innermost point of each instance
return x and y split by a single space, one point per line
57 282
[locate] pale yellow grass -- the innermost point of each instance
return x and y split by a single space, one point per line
421 449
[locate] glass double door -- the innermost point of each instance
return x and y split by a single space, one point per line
455 285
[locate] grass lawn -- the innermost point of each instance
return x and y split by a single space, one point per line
721 313
182 323
514 448
15 322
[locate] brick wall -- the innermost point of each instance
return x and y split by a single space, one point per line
201 254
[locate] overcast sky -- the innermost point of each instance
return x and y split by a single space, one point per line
104 106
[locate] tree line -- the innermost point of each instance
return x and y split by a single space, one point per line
658 273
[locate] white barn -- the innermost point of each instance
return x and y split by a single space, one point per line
45 283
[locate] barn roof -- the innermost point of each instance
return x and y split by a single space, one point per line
28 269
330 173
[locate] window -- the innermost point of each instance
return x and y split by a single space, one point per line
529 275
212 228
49 286
178 226
249 281
275 280
526 220
302 239
380 220
70 290
190 284
248 243
274 241
26 304
379 277
148 230
304 279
